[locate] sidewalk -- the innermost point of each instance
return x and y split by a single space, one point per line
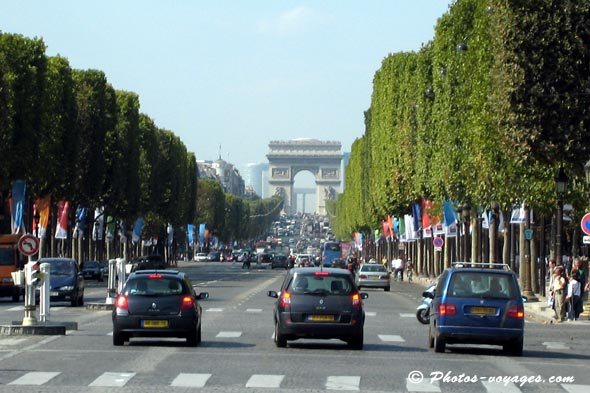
541 312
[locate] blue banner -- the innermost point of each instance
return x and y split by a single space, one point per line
137 230
190 234
202 234
449 216
17 208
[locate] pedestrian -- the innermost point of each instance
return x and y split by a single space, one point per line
560 293
568 265
385 263
398 268
581 275
551 290
573 297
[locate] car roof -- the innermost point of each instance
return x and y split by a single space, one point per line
311 270
55 259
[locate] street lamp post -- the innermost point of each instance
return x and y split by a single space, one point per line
561 180
465 212
587 172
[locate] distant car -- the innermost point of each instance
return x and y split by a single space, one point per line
201 257
147 262
214 256
372 275
158 303
264 257
339 263
66 280
92 270
477 304
104 267
318 303
279 261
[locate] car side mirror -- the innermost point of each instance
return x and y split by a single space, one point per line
274 294
524 299
364 295
203 295
428 294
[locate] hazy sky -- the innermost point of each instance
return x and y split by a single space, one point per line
235 74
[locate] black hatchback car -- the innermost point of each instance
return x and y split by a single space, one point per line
319 303
158 303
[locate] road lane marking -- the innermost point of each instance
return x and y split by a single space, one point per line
500 387
253 310
34 378
229 334
343 382
422 386
407 315
391 338
265 381
191 380
370 313
111 379
214 310
555 345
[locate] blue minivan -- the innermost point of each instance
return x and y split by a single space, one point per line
476 303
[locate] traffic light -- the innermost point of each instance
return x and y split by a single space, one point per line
33 273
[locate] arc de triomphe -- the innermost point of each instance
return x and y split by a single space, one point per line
322 159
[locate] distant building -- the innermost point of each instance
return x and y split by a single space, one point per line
223 172
254 177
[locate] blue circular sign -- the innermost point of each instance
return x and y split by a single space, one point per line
438 242
586 224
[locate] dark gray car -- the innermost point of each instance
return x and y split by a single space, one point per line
158 303
320 304
66 280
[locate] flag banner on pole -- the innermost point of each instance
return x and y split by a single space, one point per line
410 229
17 203
517 216
451 230
449 215
190 229
80 222
111 226
42 205
202 234
98 227
137 227
485 216
417 217
63 209
170 233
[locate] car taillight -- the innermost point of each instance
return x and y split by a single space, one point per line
321 274
155 276
385 277
187 303
285 300
122 303
447 309
363 276
516 312
356 300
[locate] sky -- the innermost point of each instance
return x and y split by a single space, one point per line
228 77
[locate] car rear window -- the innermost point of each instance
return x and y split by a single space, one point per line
478 284
162 286
373 268
324 284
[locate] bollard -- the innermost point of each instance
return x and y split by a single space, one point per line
45 293
112 282
121 274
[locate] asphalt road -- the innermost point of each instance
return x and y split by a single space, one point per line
238 354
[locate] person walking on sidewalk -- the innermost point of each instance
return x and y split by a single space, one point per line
551 290
560 288
573 296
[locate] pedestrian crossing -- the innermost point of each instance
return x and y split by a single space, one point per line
112 379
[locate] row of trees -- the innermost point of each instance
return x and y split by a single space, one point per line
71 134
483 114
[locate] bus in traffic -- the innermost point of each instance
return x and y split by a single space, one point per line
331 250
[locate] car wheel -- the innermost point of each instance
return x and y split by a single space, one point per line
439 344
514 348
81 300
118 339
191 339
387 289
15 297
356 342
280 339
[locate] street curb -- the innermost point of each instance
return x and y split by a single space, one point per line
40 328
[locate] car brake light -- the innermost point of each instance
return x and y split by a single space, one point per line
321 274
122 303
356 300
155 276
187 303
285 300
363 276
447 309
385 277
516 312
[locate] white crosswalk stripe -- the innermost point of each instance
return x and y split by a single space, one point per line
500 387
391 338
229 334
342 382
191 380
34 378
111 379
422 385
264 381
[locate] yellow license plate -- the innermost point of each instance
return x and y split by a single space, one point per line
155 324
483 310
321 317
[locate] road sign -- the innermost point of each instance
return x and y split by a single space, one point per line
586 240
528 234
586 224
438 242
28 245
